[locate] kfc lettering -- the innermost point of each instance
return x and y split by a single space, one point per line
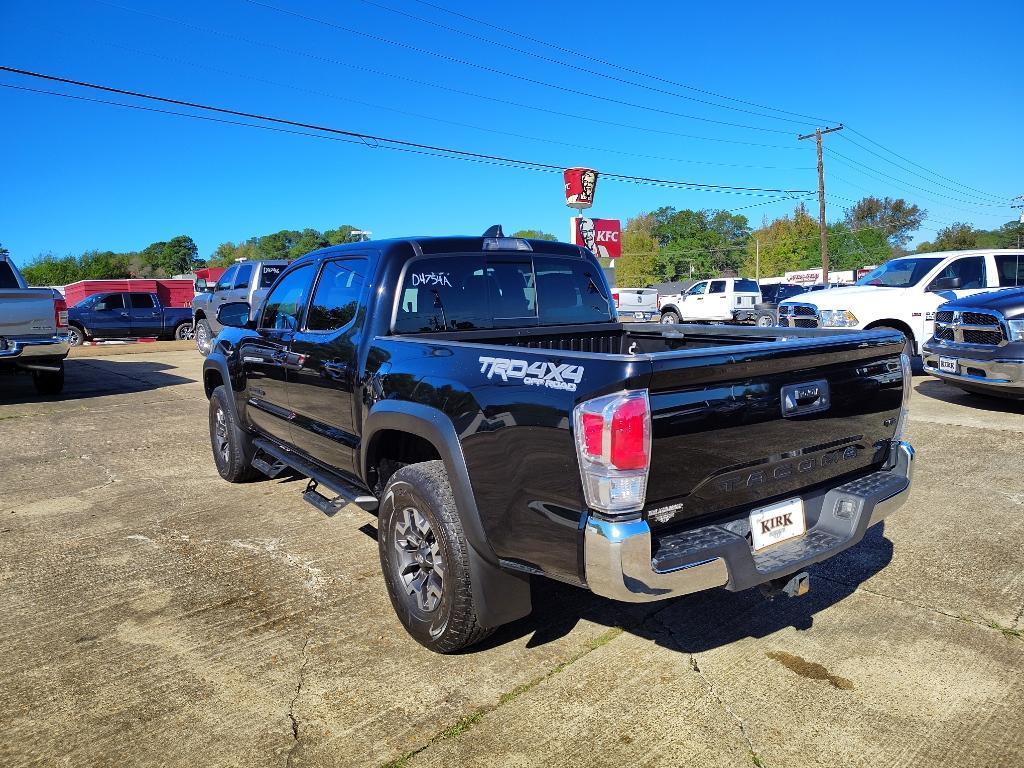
602 236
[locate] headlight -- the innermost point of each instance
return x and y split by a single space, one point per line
837 318
1016 329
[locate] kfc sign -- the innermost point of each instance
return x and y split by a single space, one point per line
602 236
580 185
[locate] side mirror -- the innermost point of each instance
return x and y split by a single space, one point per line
945 284
235 314
202 286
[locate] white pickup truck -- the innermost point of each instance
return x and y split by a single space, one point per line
723 299
33 328
904 293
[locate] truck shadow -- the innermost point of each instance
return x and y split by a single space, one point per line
939 390
94 377
706 620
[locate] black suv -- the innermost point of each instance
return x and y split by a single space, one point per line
479 395
766 314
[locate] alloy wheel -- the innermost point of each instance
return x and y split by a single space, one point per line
221 444
421 565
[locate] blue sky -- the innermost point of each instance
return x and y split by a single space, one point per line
936 82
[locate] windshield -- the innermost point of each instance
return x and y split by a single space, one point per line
900 273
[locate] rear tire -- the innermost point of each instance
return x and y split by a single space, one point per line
765 320
425 559
204 337
669 317
232 446
184 332
76 336
49 382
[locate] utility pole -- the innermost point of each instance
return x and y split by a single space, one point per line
757 260
818 133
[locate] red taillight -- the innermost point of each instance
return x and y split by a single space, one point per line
593 433
629 441
615 298
613 443
60 313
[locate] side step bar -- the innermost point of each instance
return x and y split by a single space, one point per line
347 493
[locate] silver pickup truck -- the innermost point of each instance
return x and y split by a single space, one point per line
246 281
33 330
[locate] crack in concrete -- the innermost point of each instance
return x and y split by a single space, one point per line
668 631
298 692
463 724
930 608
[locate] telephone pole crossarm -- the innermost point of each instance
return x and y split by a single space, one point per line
818 133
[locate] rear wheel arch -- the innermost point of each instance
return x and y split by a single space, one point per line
500 596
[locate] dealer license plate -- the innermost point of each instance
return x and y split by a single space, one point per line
639 315
777 523
947 364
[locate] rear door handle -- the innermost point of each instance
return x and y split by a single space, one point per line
335 369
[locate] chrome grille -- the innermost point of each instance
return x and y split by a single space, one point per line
973 327
798 316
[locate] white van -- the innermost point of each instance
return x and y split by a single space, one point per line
721 299
636 304
904 293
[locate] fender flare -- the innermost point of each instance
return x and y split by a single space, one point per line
501 596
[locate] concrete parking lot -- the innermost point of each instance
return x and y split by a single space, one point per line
153 615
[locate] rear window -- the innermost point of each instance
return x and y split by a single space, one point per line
269 274
1010 269
470 292
745 286
7 277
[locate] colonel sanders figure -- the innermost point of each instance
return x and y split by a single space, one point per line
589 237
588 181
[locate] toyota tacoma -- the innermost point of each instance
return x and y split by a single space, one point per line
479 395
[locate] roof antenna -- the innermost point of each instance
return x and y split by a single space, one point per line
494 231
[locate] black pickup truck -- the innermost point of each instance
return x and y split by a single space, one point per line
480 396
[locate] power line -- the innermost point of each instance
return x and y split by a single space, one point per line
560 62
621 68
384 141
328 94
435 85
512 75
916 165
874 173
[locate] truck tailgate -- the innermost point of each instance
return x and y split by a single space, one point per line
720 440
26 312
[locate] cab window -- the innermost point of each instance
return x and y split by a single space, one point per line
1010 269
336 297
697 290
110 301
970 270
227 279
242 276
717 286
570 291
283 306
141 301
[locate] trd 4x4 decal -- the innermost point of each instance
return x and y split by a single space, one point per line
550 375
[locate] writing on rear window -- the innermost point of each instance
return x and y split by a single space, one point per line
550 375
430 278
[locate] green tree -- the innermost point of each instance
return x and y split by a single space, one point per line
897 219
638 265
708 241
308 241
178 256
958 236
339 235
534 234
787 244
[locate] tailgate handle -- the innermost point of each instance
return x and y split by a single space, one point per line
808 397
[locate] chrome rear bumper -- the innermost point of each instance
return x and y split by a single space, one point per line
619 560
32 351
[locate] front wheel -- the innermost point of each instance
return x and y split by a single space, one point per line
670 317
184 332
204 337
425 559
233 450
